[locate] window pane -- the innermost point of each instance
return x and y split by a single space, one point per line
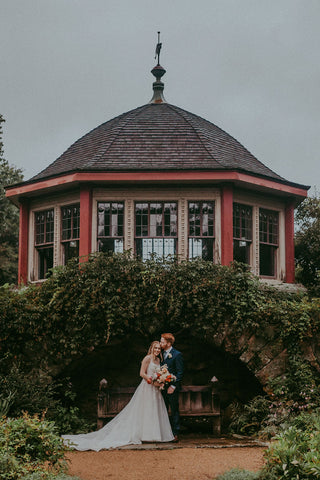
70 222
160 248
242 222
45 261
110 245
142 219
268 226
267 260
241 251
110 219
202 248
70 250
44 227
201 219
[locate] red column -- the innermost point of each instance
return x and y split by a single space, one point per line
85 223
289 241
23 243
226 225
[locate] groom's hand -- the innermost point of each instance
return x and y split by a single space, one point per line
170 390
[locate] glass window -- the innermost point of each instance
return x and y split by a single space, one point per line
268 236
155 229
44 236
70 231
201 230
110 227
242 232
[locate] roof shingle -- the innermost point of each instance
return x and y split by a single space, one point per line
156 137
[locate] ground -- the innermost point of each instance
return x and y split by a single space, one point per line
200 459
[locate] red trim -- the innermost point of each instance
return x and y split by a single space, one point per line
289 242
85 223
172 176
23 244
226 225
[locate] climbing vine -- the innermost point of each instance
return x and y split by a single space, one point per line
78 309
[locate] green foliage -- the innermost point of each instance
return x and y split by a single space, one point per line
248 419
78 309
238 474
307 244
65 414
298 390
295 453
288 395
9 220
29 445
19 391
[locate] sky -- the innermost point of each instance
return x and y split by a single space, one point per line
252 67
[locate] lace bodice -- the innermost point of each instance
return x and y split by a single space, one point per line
152 368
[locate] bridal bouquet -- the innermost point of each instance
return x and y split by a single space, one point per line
163 377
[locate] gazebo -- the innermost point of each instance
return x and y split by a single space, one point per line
158 180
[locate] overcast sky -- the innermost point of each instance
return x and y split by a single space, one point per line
252 67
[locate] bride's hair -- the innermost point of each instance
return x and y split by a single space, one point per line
150 351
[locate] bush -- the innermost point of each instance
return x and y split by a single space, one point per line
33 392
296 450
29 445
237 474
248 419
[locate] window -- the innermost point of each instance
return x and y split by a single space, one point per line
110 226
70 231
44 236
156 229
201 230
242 232
268 236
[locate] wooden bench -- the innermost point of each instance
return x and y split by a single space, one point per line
194 401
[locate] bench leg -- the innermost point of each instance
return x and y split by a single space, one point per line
216 426
99 423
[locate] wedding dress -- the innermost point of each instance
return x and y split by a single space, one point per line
143 419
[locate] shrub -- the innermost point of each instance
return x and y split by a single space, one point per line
238 474
33 392
248 419
296 450
29 445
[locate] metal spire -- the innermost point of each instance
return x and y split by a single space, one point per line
158 72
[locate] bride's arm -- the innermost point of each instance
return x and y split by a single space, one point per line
144 367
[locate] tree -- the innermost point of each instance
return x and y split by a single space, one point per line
307 244
9 220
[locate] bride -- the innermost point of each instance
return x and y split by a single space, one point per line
143 419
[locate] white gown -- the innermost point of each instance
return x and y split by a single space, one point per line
143 419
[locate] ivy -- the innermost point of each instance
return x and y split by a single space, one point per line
78 309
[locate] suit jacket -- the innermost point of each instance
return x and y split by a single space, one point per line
175 366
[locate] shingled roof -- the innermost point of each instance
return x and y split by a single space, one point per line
157 137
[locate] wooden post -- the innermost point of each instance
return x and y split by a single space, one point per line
102 402
226 225
85 223
289 242
23 243
215 399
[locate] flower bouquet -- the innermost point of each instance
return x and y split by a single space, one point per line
162 378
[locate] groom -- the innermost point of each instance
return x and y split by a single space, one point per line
174 361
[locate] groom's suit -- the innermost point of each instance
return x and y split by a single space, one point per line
174 362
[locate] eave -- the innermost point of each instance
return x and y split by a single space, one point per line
74 179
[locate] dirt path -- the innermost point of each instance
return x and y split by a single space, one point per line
176 464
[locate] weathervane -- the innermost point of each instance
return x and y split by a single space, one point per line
158 49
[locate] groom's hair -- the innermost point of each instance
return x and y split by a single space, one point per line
169 337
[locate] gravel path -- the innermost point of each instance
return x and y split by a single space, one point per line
175 464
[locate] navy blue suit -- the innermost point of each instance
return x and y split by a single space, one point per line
174 363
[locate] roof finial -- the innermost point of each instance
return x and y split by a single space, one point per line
158 72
